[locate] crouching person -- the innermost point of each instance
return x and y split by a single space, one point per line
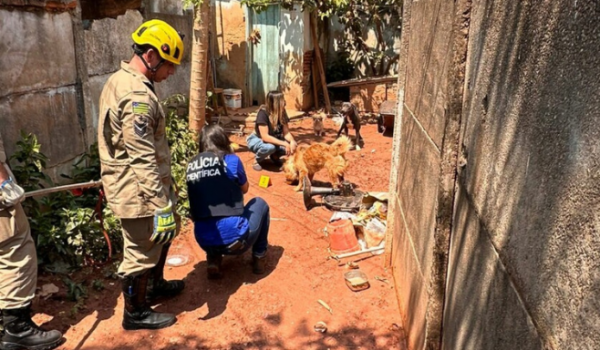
18 270
217 182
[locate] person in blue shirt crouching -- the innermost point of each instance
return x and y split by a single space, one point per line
217 182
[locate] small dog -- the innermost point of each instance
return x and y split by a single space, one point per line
308 160
351 115
318 124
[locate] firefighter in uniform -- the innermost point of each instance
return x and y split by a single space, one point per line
136 171
18 270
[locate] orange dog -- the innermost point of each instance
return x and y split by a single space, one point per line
308 160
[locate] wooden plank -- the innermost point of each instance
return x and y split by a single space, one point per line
314 83
363 81
313 32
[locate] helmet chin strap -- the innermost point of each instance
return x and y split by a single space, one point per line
152 70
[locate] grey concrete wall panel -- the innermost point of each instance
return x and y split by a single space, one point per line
429 56
409 282
108 42
51 115
96 84
38 53
419 170
482 309
179 83
532 146
172 7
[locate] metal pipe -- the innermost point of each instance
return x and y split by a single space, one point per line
45 191
370 250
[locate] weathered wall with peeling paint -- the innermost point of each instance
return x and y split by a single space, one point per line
231 52
495 198
54 65
229 46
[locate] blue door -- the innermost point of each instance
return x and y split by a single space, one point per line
265 55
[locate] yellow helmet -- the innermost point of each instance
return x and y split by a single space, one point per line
160 35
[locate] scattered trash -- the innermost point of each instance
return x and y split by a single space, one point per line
357 147
374 232
342 237
41 318
351 265
320 327
48 290
384 280
278 219
373 151
340 215
356 280
394 327
324 304
177 260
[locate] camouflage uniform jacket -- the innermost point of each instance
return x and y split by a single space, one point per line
134 153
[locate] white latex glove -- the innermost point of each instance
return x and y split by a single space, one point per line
12 194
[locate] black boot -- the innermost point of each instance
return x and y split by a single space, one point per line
213 266
259 264
157 285
20 332
138 314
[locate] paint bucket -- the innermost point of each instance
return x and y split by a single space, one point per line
342 237
233 98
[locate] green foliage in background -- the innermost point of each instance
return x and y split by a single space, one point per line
183 145
66 230
64 224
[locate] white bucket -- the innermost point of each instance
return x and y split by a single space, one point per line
233 98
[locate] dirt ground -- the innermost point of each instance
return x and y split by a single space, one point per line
277 310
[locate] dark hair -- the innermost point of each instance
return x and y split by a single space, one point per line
214 139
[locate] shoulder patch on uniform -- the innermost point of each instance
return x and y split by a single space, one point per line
140 125
140 108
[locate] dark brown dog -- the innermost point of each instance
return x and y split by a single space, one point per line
351 115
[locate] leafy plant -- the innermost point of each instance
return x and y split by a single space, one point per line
342 68
65 227
75 291
183 147
98 285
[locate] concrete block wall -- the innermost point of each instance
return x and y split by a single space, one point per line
499 104
55 65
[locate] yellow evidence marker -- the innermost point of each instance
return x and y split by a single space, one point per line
264 181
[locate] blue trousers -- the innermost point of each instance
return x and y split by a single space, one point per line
262 149
257 213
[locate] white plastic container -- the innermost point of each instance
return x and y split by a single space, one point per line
233 98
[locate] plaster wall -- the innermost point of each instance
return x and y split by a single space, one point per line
55 91
531 147
523 249
229 44
230 47
295 83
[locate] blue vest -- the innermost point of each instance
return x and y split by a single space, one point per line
210 191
